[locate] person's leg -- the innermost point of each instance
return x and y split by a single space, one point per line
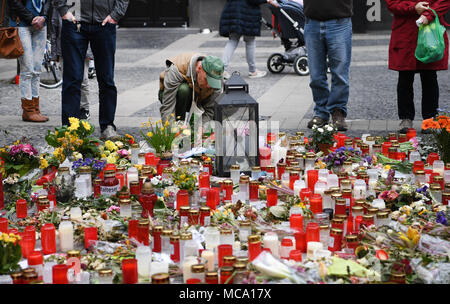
430 93
317 58
84 101
230 47
73 47
39 42
184 101
26 62
250 45
405 95
339 45
103 45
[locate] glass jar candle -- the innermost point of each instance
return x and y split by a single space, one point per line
254 246
110 185
134 188
17 277
351 242
198 272
245 229
235 173
285 177
298 186
48 238
439 180
207 166
316 203
226 236
143 232
193 217
445 198
286 247
244 186
141 158
59 274
309 161
312 177
205 216
225 275
144 259
272 197
211 277
212 238
175 248
255 172
165 241
90 236
21 208
281 168
209 257
184 216
105 276
135 153
184 238
340 206
228 260
312 232
254 190
368 219
129 271
125 208
203 180
436 192
311 249
296 222
359 189
222 251
324 231
420 177
294 175
347 195
335 239
327 202
133 229
270 240
228 190
65 235
86 173
36 261
382 219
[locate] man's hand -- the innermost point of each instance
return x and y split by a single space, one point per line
108 19
38 22
424 20
70 17
421 7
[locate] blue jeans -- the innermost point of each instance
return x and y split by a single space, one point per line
33 42
74 45
332 38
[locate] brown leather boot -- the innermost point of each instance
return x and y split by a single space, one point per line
29 114
36 108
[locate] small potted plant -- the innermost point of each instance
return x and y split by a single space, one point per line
440 128
323 137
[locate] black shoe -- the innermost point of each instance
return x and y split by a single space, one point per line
91 73
338 117
84 114
318 121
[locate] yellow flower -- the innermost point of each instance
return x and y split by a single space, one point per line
44 163
5 238
139 167
111 159
162 128
149 134
16 142
74 123
12 240
172 114
103 156
166 193
166 123
387 167
413 234
110 145
56 133
86 125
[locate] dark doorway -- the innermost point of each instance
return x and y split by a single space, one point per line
156 13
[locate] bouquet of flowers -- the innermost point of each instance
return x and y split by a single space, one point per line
74 138
161 135
19 158
10 253
184 180
95 165
323 137
342 154
440 127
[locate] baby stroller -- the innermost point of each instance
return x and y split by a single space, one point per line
288 23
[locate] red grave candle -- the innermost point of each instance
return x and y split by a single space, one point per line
203 180
385 147
296 222
281 168
254 247
254 191
90 236
27 244
21 208
3 224
312 232
175 248
313 176
48 238
2 195
182 198
300 241
272 197
59 273
295 255
228 187
143 232
411 133
156 234
129 271
133 229
31 231
358 222
293 176
149 159
316 203
223 250
432 157
211 198
205 216
305 193
335 240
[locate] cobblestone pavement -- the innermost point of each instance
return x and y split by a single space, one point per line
285 97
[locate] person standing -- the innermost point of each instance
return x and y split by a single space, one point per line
96 26
402 58
241 18
30 17
328 33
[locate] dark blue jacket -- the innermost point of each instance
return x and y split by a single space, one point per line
242 17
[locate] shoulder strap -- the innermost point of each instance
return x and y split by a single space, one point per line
3 12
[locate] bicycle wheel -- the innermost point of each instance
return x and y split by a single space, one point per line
51 76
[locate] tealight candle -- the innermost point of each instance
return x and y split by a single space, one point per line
144 259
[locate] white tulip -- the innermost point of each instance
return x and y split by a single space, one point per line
320 130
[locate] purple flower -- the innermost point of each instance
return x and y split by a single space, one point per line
337 163
368 159
441 218
422 190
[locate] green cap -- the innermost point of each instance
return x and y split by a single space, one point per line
213 67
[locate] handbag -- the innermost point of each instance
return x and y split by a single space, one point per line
10 44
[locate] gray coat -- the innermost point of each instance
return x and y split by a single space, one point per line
93 11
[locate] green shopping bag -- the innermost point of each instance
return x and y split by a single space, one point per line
430 41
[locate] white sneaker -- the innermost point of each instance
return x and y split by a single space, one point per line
226 75
257 74
109 133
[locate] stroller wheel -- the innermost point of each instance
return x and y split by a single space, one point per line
301 66
275 63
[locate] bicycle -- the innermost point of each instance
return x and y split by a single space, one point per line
51 74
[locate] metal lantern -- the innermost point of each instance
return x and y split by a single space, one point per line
236 117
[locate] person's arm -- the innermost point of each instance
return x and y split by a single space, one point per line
441 7
402 8
208 107
119 9
21 11
172 80
61 6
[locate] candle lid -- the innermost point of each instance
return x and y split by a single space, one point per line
336 231
186 236
124 201
184 162
16 275
310 155
242 259
185 208
336 189
147 188
357 209
174 237
157 229
226 270
142 154
286 242
245 223
229 258
351 238
198 268
167 232
244 179
194 211
211 274
109 173
30 276
382 215
256 168
368 216
134 183
337 220
28 270
85 169
281 164
160 278
342 217
370 138
144 222
73 254
340 200
240 266
207 162
435 187
254 238
346 191
205 209
226 231
324 227
195 162
105 272
446 194
63 169
227 182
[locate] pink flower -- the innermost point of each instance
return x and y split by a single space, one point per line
113 208
123 153
414 142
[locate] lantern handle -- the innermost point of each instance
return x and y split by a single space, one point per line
237 85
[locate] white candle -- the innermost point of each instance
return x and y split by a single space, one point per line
332 181
378 203
132 175
439 167
212 238
66 236
447 176
159 267
312 247
298 185
323 175
188 262
359 189
75 213
319 188
144 259
210 258
270 241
